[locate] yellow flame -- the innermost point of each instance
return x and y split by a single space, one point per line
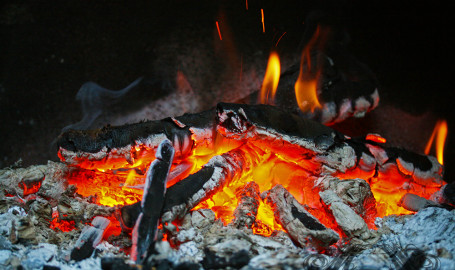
307 82
271 79
305 93
440 132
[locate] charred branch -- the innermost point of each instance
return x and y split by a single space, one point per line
145 229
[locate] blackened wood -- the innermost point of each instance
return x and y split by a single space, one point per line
145 230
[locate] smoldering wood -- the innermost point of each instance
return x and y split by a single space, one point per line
352 223
212 177
90 237
247 207
302 227
356 193
145 230
308 143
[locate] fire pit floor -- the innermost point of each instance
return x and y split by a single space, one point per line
42 230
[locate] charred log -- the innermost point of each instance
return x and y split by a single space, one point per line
145 229
303 228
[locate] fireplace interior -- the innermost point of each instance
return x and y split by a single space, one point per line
192 162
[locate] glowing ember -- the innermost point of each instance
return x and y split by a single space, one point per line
440 132
271 79
60 224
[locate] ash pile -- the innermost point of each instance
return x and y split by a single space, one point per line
46 223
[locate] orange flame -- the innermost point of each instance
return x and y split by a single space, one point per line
307 82
440 132
271 79
306 94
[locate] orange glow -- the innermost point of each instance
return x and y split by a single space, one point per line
262 15
270 163
306 93
219 32
246 3
440 132
271 79
62 225
307 83
376 138
31 189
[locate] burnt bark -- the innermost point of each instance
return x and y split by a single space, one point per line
145 229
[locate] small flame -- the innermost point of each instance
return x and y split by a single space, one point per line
306 84
440 132
246 2
271 79
262 15
219 32
305 93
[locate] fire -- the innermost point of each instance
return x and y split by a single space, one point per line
271 79
306 94
307 82
60 224
440 132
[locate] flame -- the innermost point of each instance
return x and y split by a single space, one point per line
305 93
440 132
307 82
271 79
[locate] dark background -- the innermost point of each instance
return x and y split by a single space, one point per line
48 49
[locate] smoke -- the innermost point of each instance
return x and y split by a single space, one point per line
95 99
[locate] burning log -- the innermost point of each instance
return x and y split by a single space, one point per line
247 208
303 227
187 193
145 229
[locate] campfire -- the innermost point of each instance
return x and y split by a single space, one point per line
265 182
